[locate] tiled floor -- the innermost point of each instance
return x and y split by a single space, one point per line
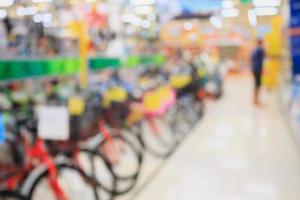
238 152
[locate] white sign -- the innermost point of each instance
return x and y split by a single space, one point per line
53 123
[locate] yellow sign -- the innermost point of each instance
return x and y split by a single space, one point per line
274 49
80 30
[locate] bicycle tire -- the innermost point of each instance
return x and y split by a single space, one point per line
91 171
71 168
11 195
131 178
168 148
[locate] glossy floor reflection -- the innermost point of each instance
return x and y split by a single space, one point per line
238 152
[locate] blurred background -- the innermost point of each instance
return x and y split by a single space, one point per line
150 99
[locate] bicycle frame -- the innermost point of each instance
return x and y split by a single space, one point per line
36 155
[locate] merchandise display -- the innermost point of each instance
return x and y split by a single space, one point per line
96 95
111 123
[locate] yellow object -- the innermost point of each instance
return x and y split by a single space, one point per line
79 29
180 81
116 94
135 116
271 72
76 106
164 93
201 72
154 100
274 50
151 101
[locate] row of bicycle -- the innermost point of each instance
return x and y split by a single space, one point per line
62 142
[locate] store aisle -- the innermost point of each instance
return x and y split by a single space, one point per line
238 152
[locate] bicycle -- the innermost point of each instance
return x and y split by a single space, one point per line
36 162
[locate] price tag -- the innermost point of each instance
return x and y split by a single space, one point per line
2 129
53 123
76 106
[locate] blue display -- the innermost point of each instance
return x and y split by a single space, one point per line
295 39
295 14
2 129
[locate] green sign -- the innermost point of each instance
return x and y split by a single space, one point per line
246 1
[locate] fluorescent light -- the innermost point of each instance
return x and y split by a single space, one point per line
188 26
142 2
3 14
227 4
41 1
252 17
45 18
216 22
38 18
6 3
21 11
143 10
266 3
266 11
232 12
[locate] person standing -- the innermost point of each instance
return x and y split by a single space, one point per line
257 58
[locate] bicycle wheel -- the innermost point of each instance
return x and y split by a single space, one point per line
124 161
8 195
157 137
178 124
191 109
94 165
72 181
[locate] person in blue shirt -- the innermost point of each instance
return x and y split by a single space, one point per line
257 58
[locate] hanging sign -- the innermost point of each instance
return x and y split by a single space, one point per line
53 123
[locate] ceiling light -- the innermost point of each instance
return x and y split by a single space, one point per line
266 11
232 12
227 4
142 2
188 26
143 10
252 17
45 18
3 14
266 3
38 18
23 11
216 22
6 3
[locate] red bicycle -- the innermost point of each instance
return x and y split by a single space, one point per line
35 173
